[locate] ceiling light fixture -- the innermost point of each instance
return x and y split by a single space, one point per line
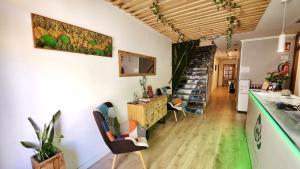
281 41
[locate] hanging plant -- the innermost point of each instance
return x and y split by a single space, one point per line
232 20
232 23
162 19
226 4
209 37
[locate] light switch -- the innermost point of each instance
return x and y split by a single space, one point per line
284 57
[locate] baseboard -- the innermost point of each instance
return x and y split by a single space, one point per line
92 161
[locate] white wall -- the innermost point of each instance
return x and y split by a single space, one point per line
260 56
215 73
38 82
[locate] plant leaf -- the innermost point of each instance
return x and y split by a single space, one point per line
30 145
44 135
55 116
35 126
51 135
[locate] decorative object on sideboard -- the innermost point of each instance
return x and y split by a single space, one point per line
165 90
265 85
52 34
158 92
286 92
143 83
150 91
46 154
258 86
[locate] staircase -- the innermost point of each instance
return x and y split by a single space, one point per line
193 86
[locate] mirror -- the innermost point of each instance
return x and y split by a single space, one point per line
133 64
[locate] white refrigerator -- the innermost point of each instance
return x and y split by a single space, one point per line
242 101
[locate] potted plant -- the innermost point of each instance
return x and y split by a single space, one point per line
277 79
47 156
143 83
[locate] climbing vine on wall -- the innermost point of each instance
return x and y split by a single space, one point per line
162 19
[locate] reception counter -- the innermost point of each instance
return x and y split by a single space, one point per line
273 135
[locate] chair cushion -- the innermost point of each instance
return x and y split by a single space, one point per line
110 136
112 124
135 130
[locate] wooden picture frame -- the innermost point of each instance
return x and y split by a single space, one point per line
287 46
124 54
56 35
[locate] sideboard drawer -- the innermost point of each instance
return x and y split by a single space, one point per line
147 114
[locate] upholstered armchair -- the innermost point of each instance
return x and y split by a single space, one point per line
133 141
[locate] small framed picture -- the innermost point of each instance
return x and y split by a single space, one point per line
287 46
265 85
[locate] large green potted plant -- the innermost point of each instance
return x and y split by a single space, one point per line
47 156
277 78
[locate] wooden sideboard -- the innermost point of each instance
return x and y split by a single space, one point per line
147 114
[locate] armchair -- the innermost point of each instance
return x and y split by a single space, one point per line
125 143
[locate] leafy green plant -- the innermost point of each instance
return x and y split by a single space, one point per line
45 148
232 20
277 77
226 4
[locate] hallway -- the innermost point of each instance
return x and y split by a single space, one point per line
214 141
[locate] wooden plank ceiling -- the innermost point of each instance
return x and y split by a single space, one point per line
195 18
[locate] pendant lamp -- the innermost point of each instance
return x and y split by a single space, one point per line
281 41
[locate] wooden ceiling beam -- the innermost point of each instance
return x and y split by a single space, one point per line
194 18
207 14
200 9
215 20
171 11
208 25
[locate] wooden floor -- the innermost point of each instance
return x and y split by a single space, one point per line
215 141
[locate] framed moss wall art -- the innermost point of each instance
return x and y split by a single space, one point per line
52 34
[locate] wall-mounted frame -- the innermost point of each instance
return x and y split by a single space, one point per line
287 46
133 64
56 35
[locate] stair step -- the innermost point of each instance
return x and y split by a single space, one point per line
202 94
196 76
191 72
185 82
197 111
196 88
187 94
196 102
194 107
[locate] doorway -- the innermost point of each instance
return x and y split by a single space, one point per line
294 86
228 73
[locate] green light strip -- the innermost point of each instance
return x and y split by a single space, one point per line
285 137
